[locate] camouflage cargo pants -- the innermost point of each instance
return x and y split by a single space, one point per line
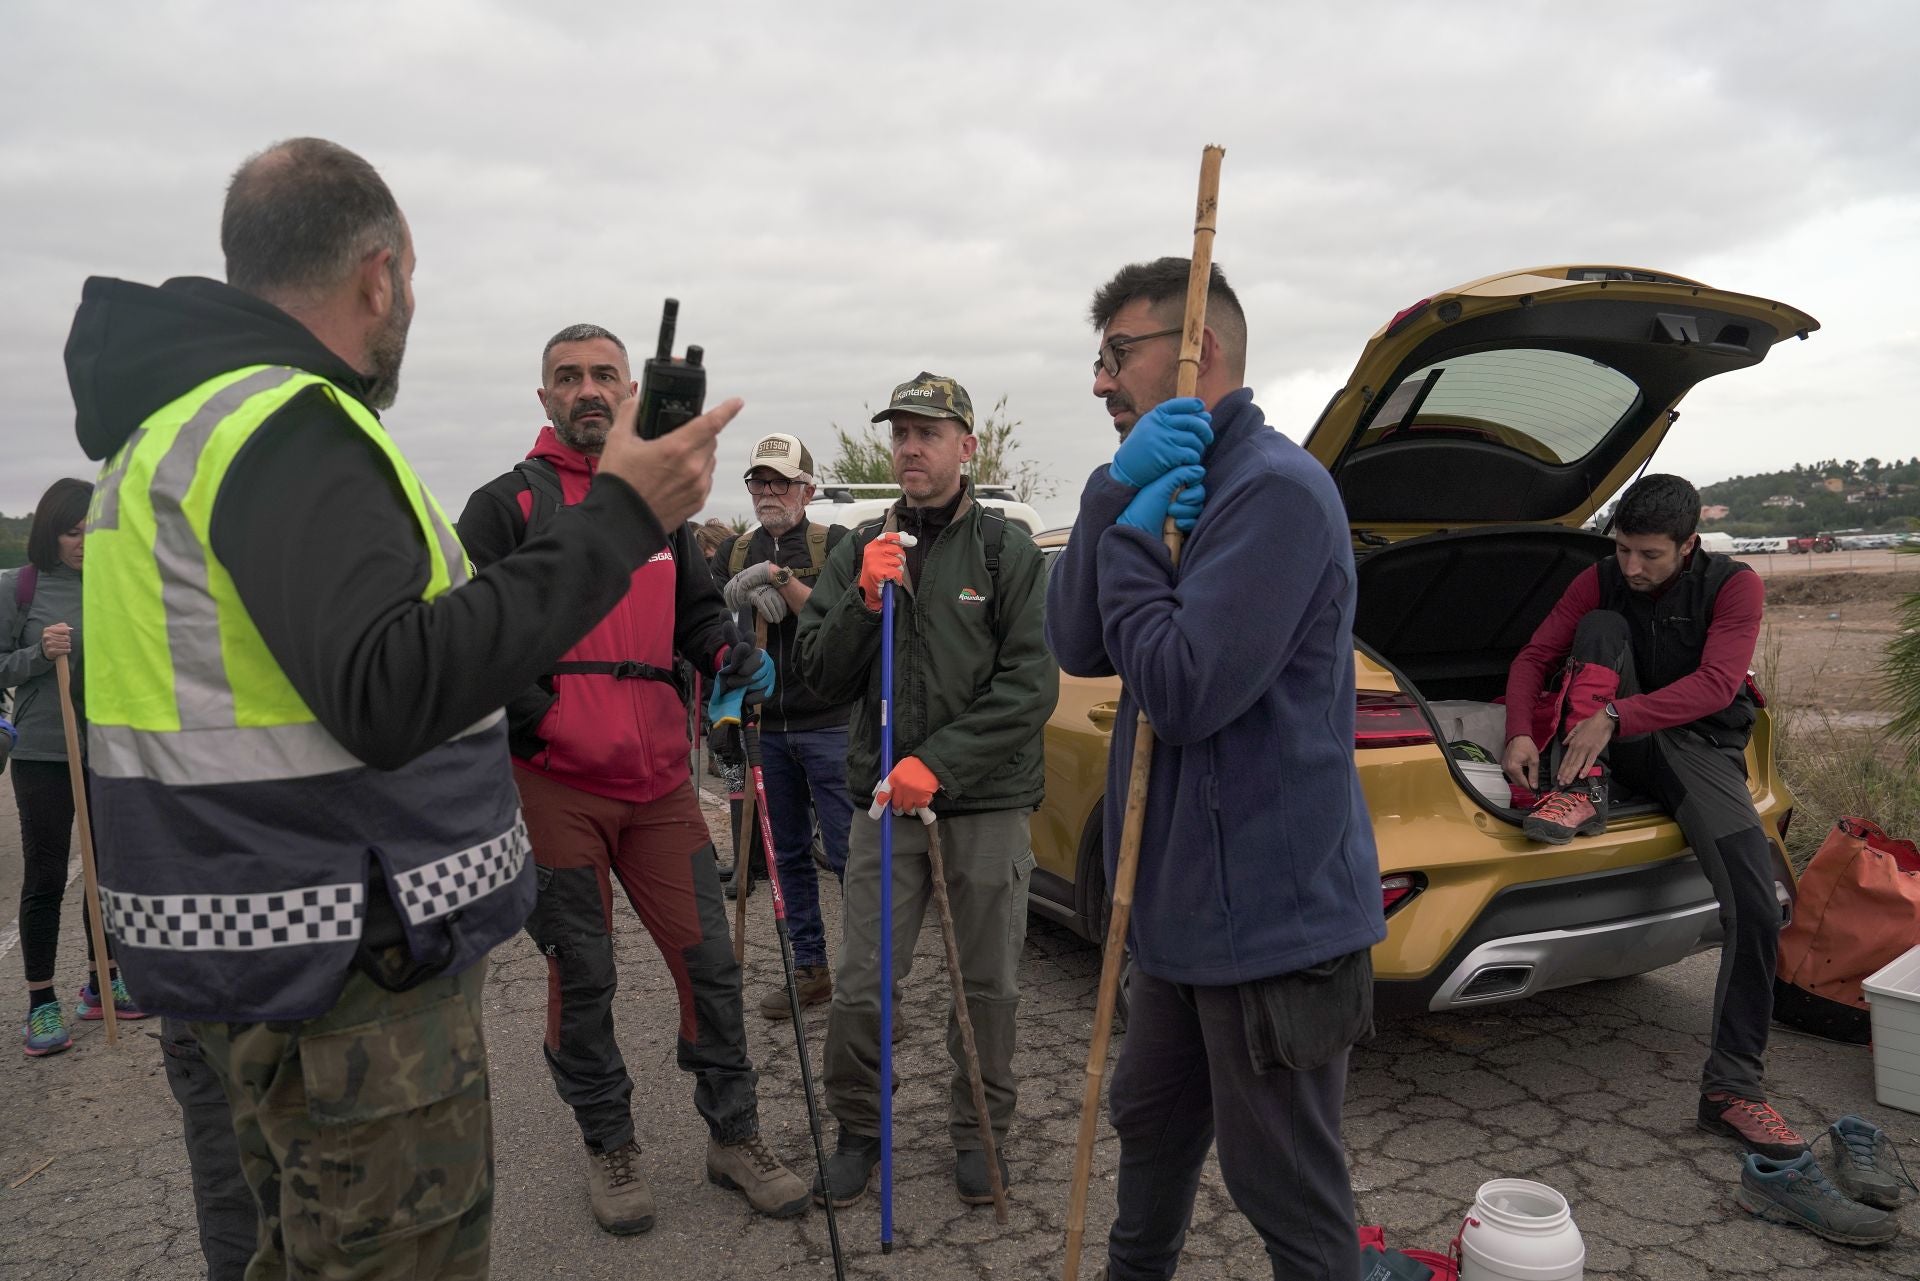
366 1134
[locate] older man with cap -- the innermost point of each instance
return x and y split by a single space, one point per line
973 686
769 571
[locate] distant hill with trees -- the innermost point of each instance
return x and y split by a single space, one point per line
1833 494
13 540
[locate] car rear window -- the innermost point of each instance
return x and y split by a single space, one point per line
1550 405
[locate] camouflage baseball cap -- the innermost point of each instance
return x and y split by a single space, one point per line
930 396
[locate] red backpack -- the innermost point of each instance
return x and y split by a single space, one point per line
1858 907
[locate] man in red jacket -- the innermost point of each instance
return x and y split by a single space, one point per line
600 757
1652 649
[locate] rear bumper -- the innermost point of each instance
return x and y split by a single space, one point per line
1606 925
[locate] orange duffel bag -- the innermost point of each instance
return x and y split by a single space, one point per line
1858 907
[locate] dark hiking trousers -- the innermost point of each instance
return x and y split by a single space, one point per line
1705 788
662 856
222 1203
806 776
1210 1067
43 793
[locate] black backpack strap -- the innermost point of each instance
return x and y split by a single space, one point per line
995 524
543 482
625 669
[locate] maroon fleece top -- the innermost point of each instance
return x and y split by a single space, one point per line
1731 638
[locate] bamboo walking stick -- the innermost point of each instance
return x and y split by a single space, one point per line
967 1047
77 777
1199 276
743 839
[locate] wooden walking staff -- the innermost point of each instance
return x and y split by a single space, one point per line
77 777
1199 277
743 839
967 1047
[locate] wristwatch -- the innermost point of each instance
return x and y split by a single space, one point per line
781 576
1613 713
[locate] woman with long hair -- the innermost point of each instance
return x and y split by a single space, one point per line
39 622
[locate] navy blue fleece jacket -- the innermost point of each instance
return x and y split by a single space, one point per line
1257 857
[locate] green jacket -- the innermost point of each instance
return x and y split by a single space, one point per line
970 695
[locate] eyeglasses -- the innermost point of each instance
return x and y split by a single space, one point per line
1114 351
777 487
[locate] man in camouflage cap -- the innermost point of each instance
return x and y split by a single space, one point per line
974 685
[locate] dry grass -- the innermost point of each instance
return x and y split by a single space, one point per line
1835 769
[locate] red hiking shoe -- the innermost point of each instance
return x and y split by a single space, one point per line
1560 816
1753 1122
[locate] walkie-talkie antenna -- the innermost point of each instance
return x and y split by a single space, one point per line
669 314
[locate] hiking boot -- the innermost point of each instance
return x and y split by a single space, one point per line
46 1030
813 983
1580 810
89 1008
1753 1122
848 1170
1799 1193
970 1176
750 1168
622 1201
1864 1159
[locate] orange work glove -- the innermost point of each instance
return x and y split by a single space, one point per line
884 560
909 789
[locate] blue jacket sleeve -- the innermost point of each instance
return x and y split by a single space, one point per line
1074 630
1198 649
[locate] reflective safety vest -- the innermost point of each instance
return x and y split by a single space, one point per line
234 832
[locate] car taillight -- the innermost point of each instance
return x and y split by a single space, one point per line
1754 691
1396 890
1389 720
1404 315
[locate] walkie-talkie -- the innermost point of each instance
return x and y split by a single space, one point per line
672 391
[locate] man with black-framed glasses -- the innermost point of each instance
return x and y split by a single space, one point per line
769 571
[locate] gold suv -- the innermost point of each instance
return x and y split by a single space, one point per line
1479 432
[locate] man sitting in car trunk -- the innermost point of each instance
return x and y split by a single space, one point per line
1652 649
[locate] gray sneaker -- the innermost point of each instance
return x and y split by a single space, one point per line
1864 1160
1799 1193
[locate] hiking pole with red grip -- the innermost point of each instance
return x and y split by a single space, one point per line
1199 277
750 739
743 838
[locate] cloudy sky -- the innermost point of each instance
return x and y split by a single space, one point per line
844 194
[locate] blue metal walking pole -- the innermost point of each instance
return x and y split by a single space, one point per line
886 923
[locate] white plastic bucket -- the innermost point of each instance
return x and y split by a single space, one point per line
1519 1230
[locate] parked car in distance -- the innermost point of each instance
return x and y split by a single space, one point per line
1478 431
854 505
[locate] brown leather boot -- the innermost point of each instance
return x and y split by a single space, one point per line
814 984
750 1168
622 1201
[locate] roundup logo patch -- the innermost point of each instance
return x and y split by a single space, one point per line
970 597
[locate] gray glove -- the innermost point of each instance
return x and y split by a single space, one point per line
752 588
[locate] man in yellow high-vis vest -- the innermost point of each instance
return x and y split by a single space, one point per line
308 829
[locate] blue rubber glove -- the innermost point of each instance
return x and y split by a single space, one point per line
747 668
746 672
1149 509
1174 433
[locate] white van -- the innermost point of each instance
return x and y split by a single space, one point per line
855 505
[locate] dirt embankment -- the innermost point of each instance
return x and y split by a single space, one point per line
1823 639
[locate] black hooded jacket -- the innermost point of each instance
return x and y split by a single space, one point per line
320 541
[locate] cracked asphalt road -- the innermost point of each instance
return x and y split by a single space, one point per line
1590 1090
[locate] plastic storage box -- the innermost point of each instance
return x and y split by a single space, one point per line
1893 993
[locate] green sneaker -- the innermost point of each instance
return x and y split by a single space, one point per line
1799 1193
46 1030
1864 1159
